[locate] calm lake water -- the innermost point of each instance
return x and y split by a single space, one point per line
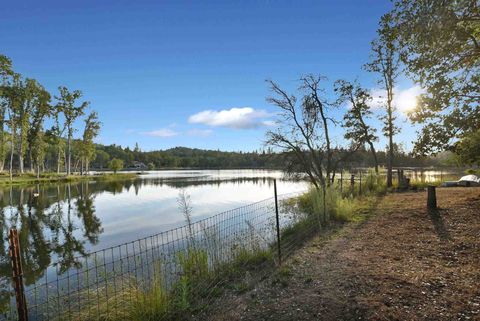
58 222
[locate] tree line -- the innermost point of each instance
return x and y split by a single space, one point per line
183 157
436 44
25 140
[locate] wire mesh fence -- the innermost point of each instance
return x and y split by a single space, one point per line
169 271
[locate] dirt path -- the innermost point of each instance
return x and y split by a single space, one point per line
402 264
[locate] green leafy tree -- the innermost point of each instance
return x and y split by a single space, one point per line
91 131
66 103
56 132
6 72
101 158
14 94
24 111
440 46
42 109
38 151
357 130
115 165
385 61
468 149
151 166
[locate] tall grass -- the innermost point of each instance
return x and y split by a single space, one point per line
341 202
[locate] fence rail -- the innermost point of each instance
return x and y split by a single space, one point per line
109 281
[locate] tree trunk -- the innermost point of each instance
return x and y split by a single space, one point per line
390 151
12 148
69 151
20 160
374 153
58 159
30 160
21 151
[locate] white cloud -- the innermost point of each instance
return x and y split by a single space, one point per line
162 132
238 118
405 100
199 132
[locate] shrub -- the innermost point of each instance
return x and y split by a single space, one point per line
115 165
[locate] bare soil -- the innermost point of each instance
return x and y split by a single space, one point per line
403 263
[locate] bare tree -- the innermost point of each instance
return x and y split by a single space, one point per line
299 133
303 131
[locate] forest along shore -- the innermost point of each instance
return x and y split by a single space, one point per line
403 263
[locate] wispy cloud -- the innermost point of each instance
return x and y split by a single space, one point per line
199 132
162 132
238 118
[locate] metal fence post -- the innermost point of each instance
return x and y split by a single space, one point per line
17 274
278 223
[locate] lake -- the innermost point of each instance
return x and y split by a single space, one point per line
58 222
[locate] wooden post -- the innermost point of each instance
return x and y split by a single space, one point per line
431 197
352 183
17 274
360 186
341 182
279 251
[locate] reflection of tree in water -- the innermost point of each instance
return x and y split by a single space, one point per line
54 223
57 221
199 181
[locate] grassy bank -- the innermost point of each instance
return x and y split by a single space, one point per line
29 179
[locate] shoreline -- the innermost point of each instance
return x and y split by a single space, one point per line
30 179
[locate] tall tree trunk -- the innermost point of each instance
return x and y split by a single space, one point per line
30 160
69 151
2 141
21 140
59 154
12 148
20 153
374 153
390 161
390 139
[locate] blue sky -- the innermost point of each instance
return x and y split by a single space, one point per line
190 73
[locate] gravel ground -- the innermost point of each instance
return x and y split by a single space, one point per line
403 263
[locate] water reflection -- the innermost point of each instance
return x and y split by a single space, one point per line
58 223
54 223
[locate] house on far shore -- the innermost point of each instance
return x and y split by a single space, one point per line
139 165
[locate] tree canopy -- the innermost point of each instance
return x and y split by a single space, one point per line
440 47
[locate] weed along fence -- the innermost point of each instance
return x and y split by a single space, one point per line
160 274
